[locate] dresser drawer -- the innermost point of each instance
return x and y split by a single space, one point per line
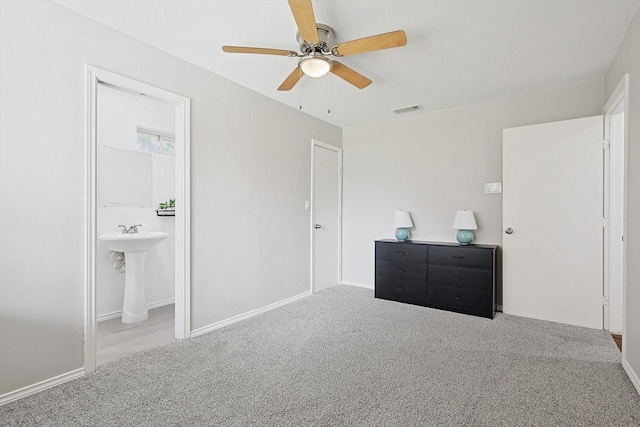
461 299
472 278
401 290
461 256
404 252
401 270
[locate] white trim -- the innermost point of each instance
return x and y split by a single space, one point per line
41 386
162 303
90 323
183 220
247 315
150 306
314 143
621 94
95 76
606 230
633 376
358 285
621 91
109 316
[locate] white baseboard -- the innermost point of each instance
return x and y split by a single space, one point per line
359 285
633 376
247 315
159 304
42 385
151 306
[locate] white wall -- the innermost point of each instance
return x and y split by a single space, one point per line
627 60
119 115
250 176
433 164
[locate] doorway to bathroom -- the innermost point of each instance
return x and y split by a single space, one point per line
137 191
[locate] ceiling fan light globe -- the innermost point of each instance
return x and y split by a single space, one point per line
315 65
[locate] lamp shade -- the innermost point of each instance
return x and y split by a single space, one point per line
402 219
464 220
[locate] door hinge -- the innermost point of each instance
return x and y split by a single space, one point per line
605 222
605 144
605 300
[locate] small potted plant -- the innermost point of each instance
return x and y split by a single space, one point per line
167 208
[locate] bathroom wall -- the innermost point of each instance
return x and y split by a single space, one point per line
119 115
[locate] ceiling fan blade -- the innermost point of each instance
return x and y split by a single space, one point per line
259 50
305 20
291 80
369 44
349 75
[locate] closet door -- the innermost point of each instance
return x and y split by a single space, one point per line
326 182
552 221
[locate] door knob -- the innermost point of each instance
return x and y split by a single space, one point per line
509 230
318 226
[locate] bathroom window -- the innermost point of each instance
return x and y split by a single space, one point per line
167 145
150 141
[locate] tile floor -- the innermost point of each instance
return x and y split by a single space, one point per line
117 340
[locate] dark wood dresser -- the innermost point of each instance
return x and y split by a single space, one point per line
439 275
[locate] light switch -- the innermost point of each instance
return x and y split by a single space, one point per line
306 205
493 188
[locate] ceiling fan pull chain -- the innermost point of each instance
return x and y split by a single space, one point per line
300 89
328 97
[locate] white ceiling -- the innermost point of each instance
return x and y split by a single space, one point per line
458 52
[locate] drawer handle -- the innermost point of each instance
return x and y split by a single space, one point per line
457 256
456 297
399 288
400 252
400 270
458 277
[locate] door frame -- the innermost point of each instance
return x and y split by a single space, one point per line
619 95
312 221
93 77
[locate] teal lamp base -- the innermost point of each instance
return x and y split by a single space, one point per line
464 237
402 234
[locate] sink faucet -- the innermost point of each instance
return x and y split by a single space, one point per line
130 230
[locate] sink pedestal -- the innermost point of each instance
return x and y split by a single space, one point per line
135 247
134 307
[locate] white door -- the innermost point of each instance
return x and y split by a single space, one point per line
325 201
552 221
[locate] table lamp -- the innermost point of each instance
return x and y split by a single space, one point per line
402 221
464 222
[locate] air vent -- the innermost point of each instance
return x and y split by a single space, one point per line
408 109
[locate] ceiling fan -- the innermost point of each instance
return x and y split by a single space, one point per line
317 43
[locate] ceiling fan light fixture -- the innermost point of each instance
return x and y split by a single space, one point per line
315 65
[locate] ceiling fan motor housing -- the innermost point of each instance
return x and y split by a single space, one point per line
327 39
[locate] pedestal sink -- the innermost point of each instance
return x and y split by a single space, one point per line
135 247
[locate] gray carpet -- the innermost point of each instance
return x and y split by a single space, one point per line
341 357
